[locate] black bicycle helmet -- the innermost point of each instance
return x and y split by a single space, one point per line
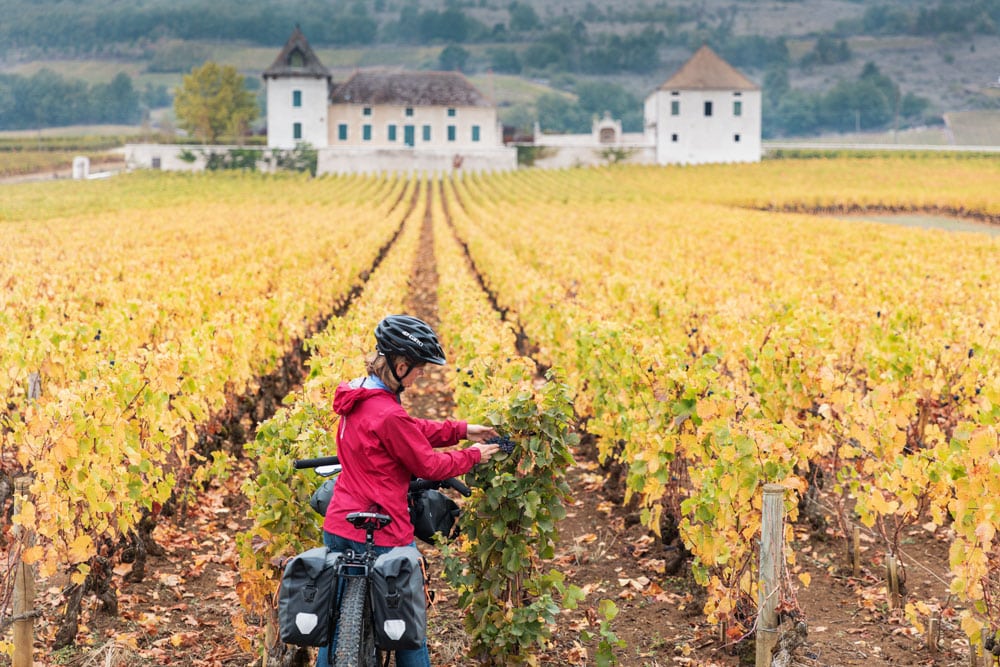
407 336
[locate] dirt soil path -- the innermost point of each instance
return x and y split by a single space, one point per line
181 614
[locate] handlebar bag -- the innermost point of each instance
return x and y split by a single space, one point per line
398 600
432 512
306 597
320 499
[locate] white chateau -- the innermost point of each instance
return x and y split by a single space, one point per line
391 120
706 111
381 119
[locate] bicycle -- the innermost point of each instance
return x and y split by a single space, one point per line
354 634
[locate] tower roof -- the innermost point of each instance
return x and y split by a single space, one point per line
297 59
705 70
385 86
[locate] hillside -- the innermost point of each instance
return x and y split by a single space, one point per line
941 56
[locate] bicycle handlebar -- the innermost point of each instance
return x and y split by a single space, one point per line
415 485
455 483
316 463
451 483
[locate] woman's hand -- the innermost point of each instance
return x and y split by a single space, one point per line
480 433
486 451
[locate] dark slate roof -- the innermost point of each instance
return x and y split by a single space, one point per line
383 86
707 71
311 66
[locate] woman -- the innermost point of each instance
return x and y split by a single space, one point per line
381 447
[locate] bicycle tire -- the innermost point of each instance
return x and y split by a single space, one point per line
355 634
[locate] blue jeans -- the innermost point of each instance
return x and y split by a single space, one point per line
419 657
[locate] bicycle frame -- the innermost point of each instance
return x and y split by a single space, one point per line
353 641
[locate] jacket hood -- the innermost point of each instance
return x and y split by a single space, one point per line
350 394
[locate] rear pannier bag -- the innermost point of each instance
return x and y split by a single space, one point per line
398 600
306 597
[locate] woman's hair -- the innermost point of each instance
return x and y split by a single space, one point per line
378 365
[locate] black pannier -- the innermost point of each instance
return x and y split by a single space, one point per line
399 600
306 597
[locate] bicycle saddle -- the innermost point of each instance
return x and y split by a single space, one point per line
362 520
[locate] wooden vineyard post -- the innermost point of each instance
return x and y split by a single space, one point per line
974 659
933 631
270 634
24 590
857 552
771 559
892 581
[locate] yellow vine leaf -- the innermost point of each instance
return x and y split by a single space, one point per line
972 627
80 574
795 482
986 531
32 555
880 505
81 548
913 616
26 516
983 443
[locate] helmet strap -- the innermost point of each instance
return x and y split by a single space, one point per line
395 376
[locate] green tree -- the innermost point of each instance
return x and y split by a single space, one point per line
913 106
451 25
213 101
827 51
115 102
504 60
595 98
523 17
856 105
795 114
776 84
155 96
453 58
557 113
520 116
8 103
886 20
543 54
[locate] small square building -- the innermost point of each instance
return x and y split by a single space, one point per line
707 111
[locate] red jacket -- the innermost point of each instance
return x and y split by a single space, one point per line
381 447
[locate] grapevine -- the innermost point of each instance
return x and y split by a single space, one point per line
509 526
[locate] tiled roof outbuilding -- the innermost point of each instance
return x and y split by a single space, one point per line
406 88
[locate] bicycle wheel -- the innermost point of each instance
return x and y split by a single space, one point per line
355 634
